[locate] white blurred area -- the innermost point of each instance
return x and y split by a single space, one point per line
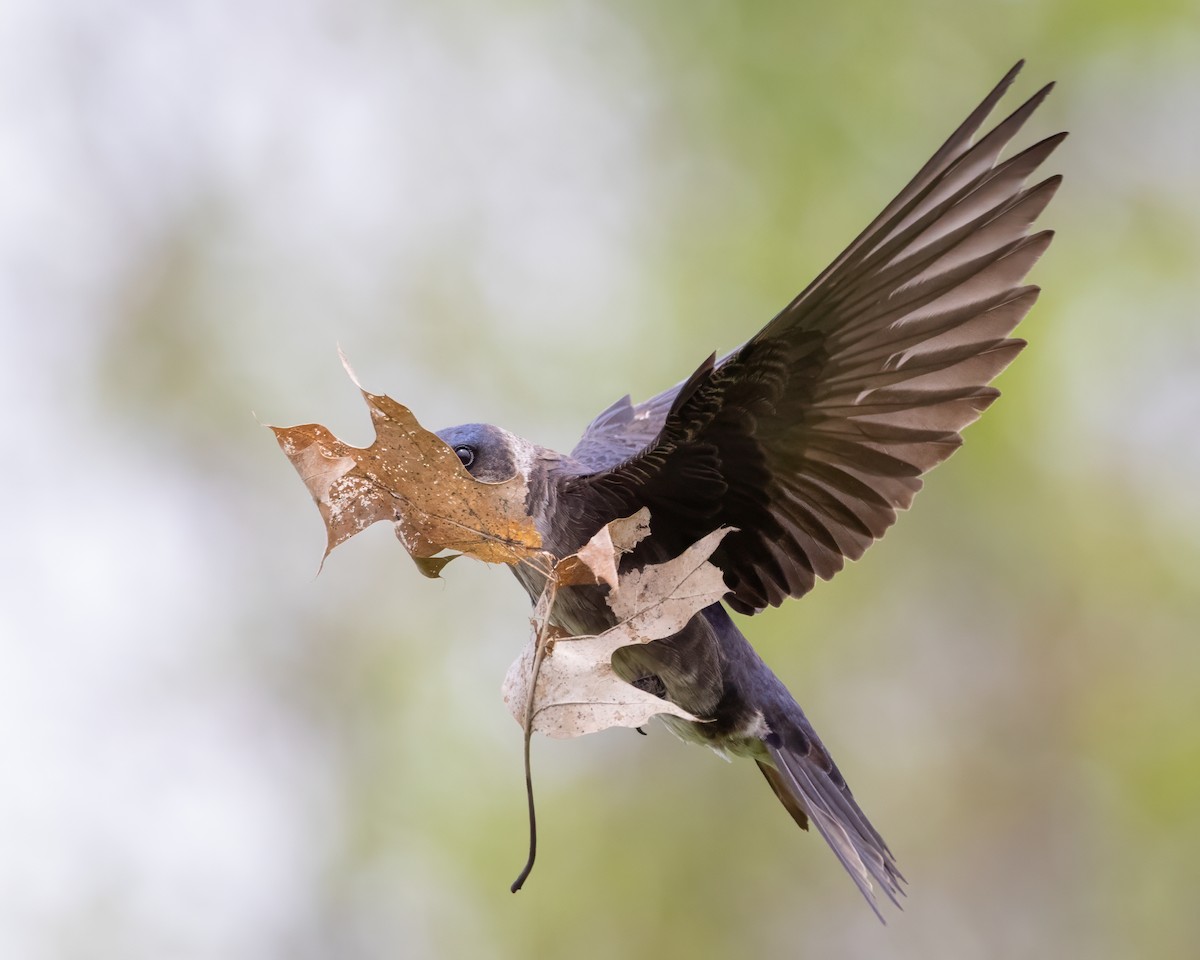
209 753
159 799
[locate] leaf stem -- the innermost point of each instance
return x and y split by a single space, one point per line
543 630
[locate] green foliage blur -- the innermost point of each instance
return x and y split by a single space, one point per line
517 213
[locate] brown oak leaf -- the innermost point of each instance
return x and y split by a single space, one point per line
409 476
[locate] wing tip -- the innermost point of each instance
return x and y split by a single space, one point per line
1007 80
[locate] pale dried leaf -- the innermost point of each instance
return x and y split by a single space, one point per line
628 532
576 690
670 592
595 562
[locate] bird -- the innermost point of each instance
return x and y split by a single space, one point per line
805 441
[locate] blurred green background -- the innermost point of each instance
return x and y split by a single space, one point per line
518 212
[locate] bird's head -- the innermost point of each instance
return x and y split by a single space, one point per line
491 454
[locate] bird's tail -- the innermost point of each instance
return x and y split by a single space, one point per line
811 788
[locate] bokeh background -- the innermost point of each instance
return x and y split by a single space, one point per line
518 212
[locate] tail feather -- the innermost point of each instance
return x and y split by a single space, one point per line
784 793
812 793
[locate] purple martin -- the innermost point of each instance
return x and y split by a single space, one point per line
806 440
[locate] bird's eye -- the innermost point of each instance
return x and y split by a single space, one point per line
466 455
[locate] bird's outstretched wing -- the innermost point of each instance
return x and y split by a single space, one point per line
811 436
